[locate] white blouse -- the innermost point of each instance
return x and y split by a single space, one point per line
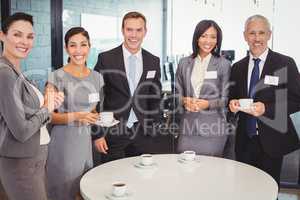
198 73
44 138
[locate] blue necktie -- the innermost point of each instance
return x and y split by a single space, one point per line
131 73
251 120
132 85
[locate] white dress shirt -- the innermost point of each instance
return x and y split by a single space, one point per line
139 63
262 58
138 71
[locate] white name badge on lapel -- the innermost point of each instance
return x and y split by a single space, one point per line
94 97
211 75
151 74
271 80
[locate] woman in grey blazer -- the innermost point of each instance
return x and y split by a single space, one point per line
24 111
202 87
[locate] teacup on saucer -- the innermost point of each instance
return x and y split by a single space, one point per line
147 159
188 155
119 189
142 166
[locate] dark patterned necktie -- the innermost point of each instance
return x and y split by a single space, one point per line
251 120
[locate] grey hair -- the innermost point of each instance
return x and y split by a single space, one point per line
257 17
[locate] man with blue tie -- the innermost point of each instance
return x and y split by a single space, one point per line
264 133
132 91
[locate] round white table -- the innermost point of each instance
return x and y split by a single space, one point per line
207 178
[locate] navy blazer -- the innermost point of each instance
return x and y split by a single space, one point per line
277 133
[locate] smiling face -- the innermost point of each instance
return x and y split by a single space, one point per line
78 49
134 31
18 41
207 41
257 35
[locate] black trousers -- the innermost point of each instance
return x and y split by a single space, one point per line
124 142
253 154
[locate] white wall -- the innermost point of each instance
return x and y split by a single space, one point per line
287 28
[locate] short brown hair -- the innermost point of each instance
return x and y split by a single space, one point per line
133 15
18 16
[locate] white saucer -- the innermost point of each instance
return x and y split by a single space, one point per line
114 122
182 160
140 165
244 109
110 196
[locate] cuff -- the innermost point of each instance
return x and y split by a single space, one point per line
216 103
44 115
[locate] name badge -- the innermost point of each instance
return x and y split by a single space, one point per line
151 74
94 97
211 75
271 80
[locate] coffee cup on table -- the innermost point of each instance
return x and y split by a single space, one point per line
245 103
146 159
106 117
188 155
119 189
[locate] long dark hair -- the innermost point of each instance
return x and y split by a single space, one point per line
201 27
75 31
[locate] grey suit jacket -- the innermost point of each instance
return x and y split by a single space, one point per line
20 114
210 122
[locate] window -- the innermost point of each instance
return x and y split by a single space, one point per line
102 19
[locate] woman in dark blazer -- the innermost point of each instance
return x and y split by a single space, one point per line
202 86
24 112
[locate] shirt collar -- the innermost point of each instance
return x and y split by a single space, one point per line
262 57
206 59
126 53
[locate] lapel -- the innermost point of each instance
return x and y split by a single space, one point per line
23 81
121 76
147 66
146 63
121 66
267 69
212 66
188 74
244 76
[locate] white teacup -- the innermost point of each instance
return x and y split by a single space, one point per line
146 159
245 103
188 155
106 117
119 189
